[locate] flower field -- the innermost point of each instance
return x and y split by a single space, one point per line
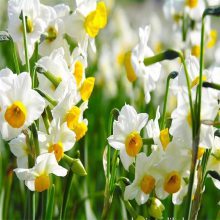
110 109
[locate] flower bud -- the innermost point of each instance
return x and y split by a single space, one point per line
156 208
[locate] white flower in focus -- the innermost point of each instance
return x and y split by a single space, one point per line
172 174
37 178
18 110
68 111
20 149
59 140
57 66
181 127
135 67
145 179
126 134
161 138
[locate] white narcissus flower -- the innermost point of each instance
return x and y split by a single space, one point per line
55 30
56 65
145 178
192 65
37 18
84 85
195 9
126 134
20 149
68 111
160 138
172 174
59 140
181 127
88 19
214 160
18 110
37 178
135 67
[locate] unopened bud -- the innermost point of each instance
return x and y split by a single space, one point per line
156 208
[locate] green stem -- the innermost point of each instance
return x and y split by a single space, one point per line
50 207
15 58
33 206
200 74
35 138
113 115
172 75
7 195
196 129
166 55
189 91
66 194
115 162
23 18
47 97
46 120
211 85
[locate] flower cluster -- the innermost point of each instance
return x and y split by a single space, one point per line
189 138
42 109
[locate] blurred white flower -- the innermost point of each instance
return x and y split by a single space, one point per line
135 67
90 16
37 16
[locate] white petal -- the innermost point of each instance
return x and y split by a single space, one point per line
126 159
130 192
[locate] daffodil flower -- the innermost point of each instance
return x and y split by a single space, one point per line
59 140
37 178
37 17
88 19
20 106
68 111
145 178
19 148
135 67
126 134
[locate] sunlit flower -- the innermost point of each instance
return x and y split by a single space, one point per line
57 66
37 178
126 134
68 111
160 138
19 148
59 140
172 174
145 178
18 110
